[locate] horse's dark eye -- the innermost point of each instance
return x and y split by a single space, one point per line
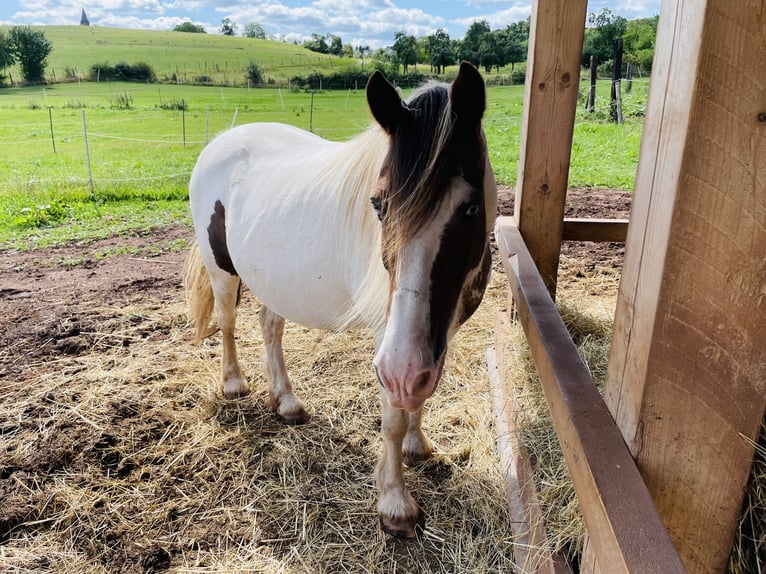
472 210
377 205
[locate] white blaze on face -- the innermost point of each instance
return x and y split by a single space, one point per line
405 361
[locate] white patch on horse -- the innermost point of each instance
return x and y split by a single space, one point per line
404 361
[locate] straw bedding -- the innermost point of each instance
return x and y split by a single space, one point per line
118 454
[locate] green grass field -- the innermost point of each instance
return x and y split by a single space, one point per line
141 156
222 58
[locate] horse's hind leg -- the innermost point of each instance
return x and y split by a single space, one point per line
288 407
226 292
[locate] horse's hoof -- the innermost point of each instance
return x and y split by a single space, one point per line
403 527
413 458
416 449
232 392
294 419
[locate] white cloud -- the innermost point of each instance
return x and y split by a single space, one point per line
501 18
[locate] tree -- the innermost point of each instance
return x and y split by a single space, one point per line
516 41
639 39
255 30
604 28
440 50
228 28
189 27
489 52
7 58
470 47
336 45
405 47
30 48
317 44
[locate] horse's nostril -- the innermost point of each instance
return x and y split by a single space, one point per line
422 380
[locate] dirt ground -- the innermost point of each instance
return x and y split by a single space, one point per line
63 306
47 296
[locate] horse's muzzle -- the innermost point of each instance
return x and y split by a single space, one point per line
408 384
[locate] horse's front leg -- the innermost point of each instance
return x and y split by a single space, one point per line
417 447
399 513
288 407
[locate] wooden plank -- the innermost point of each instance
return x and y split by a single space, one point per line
529 533
550 101
584 229
687 376
624 527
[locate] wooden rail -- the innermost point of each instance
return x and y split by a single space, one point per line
583 229
624 527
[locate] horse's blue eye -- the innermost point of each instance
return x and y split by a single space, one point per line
472 210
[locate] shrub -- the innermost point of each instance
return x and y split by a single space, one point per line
121 101
122 71
254 73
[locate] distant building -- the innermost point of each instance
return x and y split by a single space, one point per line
84 19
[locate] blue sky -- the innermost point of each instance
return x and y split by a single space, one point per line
371 22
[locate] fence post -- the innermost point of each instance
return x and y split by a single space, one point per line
50 119
183 119
311 114
615 104
207 123
87 154
591 105
234 119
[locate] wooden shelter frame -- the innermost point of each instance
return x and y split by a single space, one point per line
659 464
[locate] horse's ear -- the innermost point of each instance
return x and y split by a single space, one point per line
385 104
467 95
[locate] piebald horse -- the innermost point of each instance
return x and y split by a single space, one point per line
388 231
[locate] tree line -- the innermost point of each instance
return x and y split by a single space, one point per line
482 46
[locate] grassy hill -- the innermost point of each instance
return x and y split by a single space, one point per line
190 56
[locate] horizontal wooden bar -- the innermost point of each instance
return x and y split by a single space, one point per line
584 229
627 533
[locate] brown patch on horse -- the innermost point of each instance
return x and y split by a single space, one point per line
216 233
473 292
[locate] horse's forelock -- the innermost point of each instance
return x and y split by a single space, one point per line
422 157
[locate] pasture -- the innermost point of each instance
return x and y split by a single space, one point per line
184 57
141 156
117 452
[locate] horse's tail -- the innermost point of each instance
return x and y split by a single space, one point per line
199 295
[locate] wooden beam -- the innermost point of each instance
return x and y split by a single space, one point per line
624 526
550 101
530 552
584 229
687 376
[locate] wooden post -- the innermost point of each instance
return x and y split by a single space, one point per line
629 77
550 101
615 106
591 105
687 376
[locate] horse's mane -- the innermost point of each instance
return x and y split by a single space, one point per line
415 162
355 176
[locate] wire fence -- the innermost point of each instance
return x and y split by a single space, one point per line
58 139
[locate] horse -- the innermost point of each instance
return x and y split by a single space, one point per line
388 231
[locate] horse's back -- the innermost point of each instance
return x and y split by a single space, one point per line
261 185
